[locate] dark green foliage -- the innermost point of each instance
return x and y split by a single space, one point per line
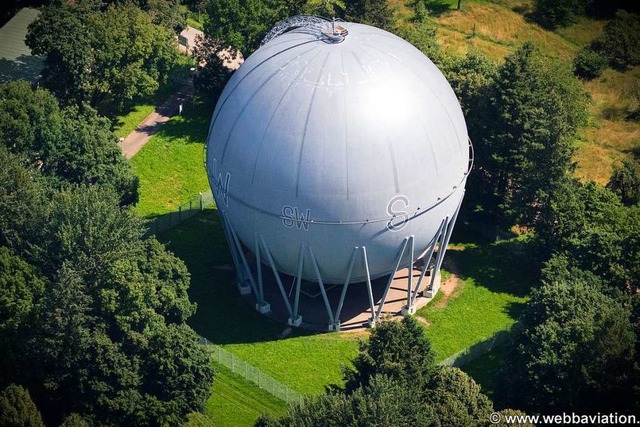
394 382
398 350
423 37
524 149
177 379
75 420
620 41
589 226
21 289
625 183
20 197
559 13
455 399
106 339
377 13
167 13
472 78
242 24
383 402
72 145
589 64
17 409
326 8
574 352
91 53
420 12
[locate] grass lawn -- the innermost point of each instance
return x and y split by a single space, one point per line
238 402
171 165
494 281
304 361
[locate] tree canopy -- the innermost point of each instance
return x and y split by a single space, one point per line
92 54
377 13
92 312
398 350
524 148
242 24
68 145
575 352
17 409
589 225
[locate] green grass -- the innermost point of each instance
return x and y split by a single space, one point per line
170 166
496 282
127 123
304 361
133 113
238 402
495 279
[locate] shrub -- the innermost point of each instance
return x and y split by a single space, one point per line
589 64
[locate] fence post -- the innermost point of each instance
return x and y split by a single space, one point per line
179 213
200 197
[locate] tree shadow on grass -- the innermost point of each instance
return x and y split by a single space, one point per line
222 316
505 266
436 8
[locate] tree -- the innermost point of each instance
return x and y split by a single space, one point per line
455 399
167 13
327 8
398 350
589 64
394 382
20 198
559 13
526 147
588 225
90 53
110 319
419 10
574 352
423 37
21 294
242 24
383 402
69 145
17 409
377 13
620 41
472 78
625 183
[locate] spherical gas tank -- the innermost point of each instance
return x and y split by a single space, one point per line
319 147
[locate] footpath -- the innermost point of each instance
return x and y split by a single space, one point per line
152 123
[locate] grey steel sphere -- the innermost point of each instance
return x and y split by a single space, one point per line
335 146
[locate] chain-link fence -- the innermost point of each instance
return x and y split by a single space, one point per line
251 373
185 211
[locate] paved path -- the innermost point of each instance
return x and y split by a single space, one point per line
149 126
